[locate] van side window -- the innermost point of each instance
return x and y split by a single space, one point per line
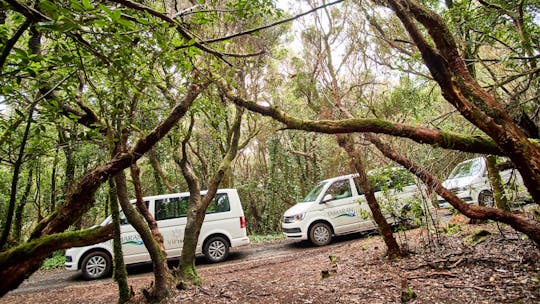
375 184
356 180
340 189
173 207
220 203
123 219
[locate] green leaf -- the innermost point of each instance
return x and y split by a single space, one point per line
76 6
19 113
87 5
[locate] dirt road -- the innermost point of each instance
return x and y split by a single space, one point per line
60 278
444 268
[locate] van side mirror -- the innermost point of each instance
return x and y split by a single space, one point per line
327 198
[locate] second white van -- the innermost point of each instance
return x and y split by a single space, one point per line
469 181
224 226
337 206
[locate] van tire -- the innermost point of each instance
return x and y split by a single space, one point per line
320 234
485 198
96 265
216 249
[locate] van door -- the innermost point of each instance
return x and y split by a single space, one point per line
133 247
171 216
365 218
342 210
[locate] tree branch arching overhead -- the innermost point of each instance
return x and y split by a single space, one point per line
438 138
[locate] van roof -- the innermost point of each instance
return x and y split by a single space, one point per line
332 179
370 172
203 192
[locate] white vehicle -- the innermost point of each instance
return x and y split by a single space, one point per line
469 181
224 226
337 206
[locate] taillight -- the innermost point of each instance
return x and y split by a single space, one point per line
242 222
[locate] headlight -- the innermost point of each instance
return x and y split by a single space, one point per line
294 218
459 189
298 217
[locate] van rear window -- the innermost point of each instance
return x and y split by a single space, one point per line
175 207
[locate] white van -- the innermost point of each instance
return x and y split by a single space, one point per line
337 206
224 226
470 182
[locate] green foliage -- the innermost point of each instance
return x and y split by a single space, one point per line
452 228
264 238
57 260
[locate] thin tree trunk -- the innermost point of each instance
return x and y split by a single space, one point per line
15 179
119 273
52 203
162 274
197 207
17 226
346 142
155 164
137 221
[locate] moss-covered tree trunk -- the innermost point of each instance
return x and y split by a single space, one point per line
187 273
162 274
495 180
119 269
159 261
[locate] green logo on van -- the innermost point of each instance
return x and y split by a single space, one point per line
350 214
139 242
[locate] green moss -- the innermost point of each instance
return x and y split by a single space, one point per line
478 236
188 275
452 229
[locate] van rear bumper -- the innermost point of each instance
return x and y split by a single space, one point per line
240 242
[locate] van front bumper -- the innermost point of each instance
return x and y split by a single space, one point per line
293 231
465 195
70 266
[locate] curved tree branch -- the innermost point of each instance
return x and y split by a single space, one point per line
257 29
12 41
519 222
18 263
82 199
438 138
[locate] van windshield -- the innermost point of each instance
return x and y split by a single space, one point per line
314 193
469 168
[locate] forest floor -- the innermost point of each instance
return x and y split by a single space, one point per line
463 263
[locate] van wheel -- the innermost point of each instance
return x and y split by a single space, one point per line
320 234
485 198
216 249
96 265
